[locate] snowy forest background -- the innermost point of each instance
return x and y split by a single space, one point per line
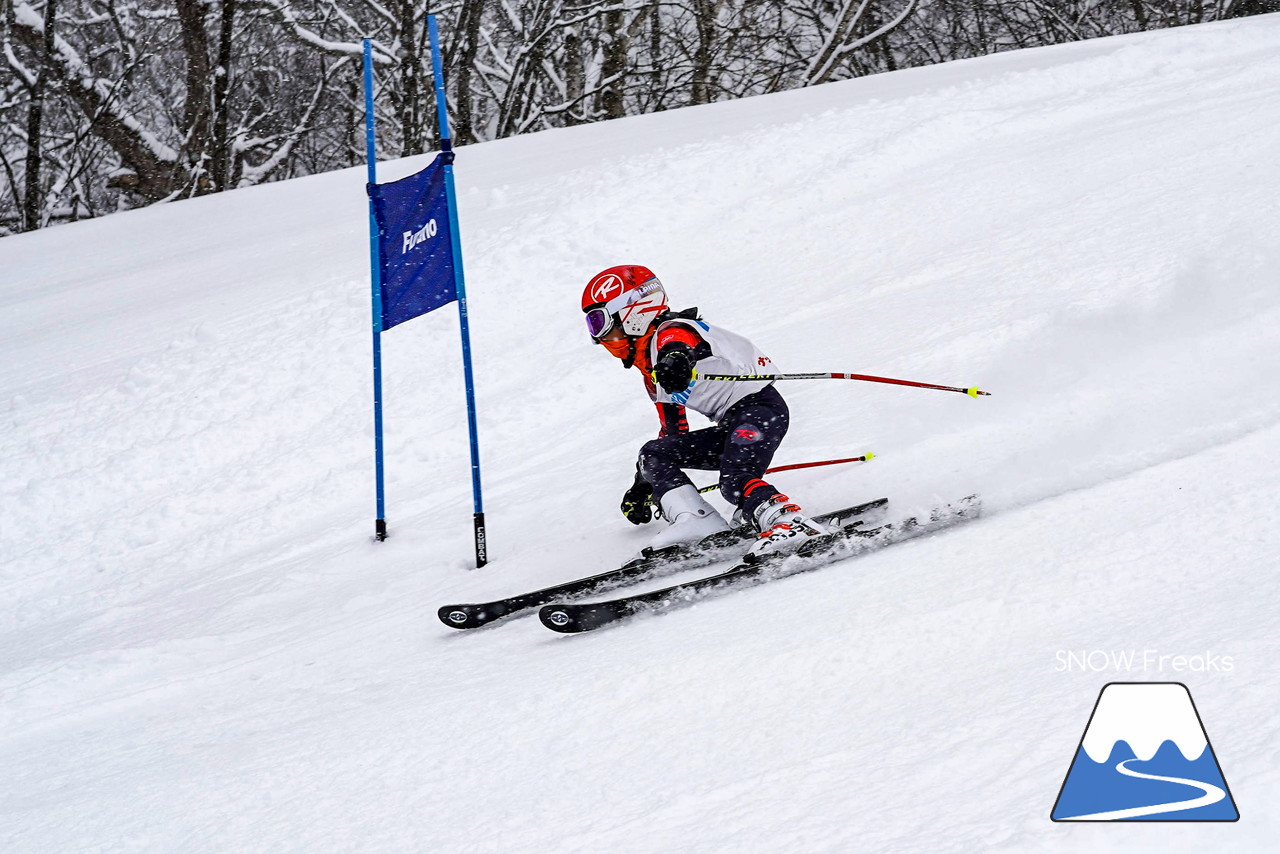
107 105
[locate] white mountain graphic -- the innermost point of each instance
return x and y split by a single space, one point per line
1145 715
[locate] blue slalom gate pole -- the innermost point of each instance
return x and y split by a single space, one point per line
380 524
446 148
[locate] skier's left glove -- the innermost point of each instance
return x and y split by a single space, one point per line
636 503
674 370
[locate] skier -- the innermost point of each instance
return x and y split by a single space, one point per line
626 311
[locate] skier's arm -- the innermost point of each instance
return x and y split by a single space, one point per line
672 418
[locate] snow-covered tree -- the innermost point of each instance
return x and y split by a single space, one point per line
107 104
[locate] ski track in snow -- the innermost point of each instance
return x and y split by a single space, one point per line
1210 794
202 650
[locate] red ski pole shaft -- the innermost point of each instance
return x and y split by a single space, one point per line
860 459
972 392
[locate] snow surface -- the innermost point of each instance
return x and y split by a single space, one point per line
203 650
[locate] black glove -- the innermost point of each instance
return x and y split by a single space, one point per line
674 370
635 503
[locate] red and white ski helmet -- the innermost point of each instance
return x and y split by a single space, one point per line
629 296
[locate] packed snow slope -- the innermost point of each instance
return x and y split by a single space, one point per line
203 650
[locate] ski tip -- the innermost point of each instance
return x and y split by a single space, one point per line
455 616
574 619
469 616
559 618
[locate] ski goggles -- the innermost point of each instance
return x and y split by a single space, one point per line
600 317
599 322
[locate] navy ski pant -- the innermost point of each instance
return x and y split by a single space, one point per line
740 447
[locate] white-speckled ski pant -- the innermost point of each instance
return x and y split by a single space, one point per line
740 447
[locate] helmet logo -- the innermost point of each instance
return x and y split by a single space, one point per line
606 287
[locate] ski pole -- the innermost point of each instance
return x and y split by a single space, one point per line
861 459
791 466
972 392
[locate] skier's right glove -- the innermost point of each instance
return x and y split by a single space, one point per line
675 369
636 504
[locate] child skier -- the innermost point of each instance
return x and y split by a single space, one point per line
626 311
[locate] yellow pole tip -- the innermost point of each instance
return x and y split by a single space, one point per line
869 456
972 392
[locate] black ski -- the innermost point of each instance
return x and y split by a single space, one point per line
850 540
651 564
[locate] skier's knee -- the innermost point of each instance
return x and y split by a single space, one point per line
650 460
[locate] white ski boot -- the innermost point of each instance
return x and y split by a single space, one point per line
782 526
691 518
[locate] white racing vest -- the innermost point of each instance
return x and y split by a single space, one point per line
730 354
